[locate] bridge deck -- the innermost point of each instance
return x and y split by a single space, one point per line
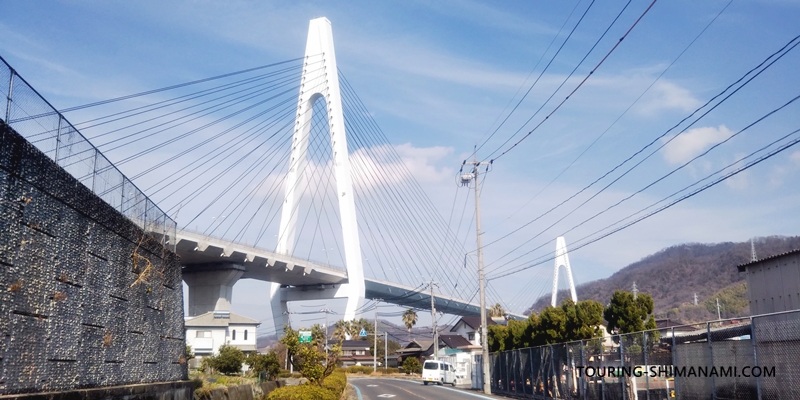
199 250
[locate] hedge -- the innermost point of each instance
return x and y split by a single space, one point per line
332 388
359 369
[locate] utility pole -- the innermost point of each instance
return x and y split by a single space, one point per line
375 346
695 299
433 323
326 311
385 350
718 315
465 179
753 251
635 291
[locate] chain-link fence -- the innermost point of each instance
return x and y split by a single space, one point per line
746 358
30 115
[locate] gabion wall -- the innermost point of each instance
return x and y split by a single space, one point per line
87 299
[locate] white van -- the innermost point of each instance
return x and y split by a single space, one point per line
438 372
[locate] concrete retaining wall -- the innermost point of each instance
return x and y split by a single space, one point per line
87 299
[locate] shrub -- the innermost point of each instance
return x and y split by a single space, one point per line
266 363
412 366
359 369
284 374
197 383
302 392
335 382
229 360
388 371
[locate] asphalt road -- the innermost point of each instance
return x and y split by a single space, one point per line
398 389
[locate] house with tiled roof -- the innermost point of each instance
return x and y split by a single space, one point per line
469 328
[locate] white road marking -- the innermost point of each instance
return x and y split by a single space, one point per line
372 385
386 395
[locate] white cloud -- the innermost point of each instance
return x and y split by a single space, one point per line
692 142
666 95
795 157
419 162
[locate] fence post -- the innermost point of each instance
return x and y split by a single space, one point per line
583 375
533 377
602 365
517 365
711 358
94 171
644 352
755 354
8 96
621 377
674 352
58 138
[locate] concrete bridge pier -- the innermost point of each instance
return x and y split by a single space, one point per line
211 286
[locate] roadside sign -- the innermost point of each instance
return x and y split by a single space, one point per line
363 332
305 336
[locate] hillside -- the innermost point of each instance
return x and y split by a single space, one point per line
673 275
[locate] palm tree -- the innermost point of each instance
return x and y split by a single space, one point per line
341 329
497 311
410 319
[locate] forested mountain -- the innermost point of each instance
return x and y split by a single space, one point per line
673 275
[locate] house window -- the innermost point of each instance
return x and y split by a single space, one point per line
203 334
245 334
234 335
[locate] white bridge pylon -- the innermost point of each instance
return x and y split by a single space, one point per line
320 81
562 259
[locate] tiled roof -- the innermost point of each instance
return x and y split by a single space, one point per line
416 345
473 321
454 341
354 344
208 319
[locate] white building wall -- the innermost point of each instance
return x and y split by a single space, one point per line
240 329
468 333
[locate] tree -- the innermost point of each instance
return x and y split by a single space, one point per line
412 366
392 347
267 363
497 311
552 326
582 319
189 353
626 314
341 329
308 358
318 335
515 338
409 319
229 361
496 337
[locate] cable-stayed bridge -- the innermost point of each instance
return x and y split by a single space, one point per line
257 167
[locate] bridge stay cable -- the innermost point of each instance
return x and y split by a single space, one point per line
414 188
399 200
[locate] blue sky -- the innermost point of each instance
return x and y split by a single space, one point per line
438 76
